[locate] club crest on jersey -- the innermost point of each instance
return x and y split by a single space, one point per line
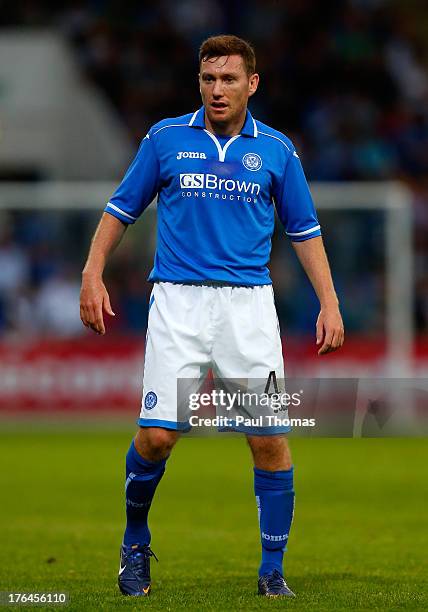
191 155
252 161
151 400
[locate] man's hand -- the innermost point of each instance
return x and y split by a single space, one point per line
330 331
94 300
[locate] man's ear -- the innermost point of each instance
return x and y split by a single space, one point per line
253 84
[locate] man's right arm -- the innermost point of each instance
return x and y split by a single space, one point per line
94 298
137 189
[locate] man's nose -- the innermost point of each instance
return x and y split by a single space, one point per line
218 88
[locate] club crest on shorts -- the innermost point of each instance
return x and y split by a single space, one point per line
252 161
151 400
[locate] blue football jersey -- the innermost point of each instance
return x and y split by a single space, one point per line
216 198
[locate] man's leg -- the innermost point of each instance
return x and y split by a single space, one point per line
145 466
273 487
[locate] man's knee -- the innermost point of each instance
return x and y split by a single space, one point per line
155 443
270 452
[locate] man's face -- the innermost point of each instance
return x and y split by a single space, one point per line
225 88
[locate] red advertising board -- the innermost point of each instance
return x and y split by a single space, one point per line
101 373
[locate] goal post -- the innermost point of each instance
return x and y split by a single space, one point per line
395 200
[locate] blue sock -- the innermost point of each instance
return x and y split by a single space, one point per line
275 503
142 478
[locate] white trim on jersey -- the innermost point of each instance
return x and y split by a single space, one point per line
193 117
308 231
276 138
172 125
221 150
110 205
255 128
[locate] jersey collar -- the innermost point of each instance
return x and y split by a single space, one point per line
249 129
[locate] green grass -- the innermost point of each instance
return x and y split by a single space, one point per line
358 542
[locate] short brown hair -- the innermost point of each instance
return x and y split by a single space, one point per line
217 46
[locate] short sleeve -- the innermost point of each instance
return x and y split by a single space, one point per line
139 185
294 202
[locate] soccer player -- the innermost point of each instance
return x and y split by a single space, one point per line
218 174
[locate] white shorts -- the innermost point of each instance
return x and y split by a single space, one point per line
192 328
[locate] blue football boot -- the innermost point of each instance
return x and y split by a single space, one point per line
274 585
134 570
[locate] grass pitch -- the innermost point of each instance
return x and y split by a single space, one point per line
358 542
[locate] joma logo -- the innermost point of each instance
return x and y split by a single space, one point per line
275 538
191 155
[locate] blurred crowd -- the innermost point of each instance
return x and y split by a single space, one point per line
347 80
41 255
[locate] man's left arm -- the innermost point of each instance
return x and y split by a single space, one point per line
330 330
296 210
